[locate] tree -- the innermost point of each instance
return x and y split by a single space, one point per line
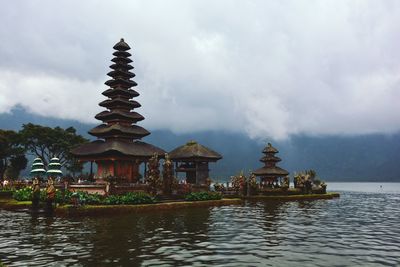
12 154
17 164
46 142
74 166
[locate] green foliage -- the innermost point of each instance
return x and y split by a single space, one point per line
12 157
46 143
201 196
84 198
17 164
23 194
129 199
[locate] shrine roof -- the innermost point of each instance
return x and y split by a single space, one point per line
270 149
192 151
271 171
109 147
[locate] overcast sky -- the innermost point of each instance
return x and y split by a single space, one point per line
265 68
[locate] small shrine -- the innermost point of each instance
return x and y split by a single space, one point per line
270 172
118 152
54 168
192 159
37 168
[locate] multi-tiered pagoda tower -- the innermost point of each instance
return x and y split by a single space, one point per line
270 172
118 151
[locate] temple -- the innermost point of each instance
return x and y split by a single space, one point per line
270 172
118 151
192 159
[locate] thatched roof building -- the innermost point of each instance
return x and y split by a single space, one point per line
193 151
192 159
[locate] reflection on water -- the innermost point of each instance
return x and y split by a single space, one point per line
358 229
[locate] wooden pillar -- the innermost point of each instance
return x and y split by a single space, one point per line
114 168
91 171
197 172
135 170
132 175
145 170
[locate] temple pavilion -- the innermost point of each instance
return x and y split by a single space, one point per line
270 172
118 151
192 159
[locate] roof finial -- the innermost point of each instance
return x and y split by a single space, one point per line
122 40
191 143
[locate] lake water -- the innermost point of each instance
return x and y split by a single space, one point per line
362 228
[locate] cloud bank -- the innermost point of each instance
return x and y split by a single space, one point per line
269 69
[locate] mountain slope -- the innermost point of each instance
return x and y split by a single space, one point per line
338 158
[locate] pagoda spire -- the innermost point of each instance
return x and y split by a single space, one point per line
119 120
118 151
270 171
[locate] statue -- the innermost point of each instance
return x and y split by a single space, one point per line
286 182
153 175
219 187
50 194
253 186
239 183
35 192
323 187
208 182
168 175
307 184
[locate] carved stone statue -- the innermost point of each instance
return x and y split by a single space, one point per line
168 175
35 192
285 183
50 194
153 175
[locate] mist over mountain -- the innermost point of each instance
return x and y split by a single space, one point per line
373 157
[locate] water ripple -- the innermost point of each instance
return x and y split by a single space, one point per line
359 229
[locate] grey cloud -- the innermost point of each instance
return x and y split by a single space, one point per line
267 68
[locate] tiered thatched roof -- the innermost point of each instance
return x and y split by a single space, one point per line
119 134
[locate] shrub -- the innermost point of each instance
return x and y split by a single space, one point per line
23 194
136 198
83 198
129 198
112 200
201 196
